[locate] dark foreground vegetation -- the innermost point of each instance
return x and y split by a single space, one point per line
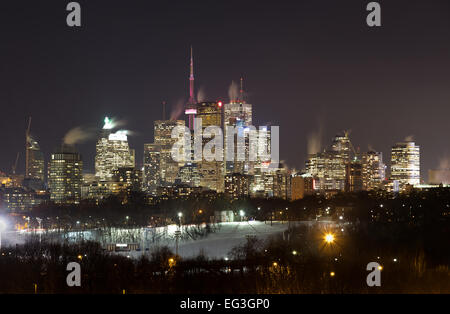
414 260
418 208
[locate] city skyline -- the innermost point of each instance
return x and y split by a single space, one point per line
224 155
302 83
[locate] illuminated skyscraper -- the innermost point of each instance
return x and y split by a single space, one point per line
65 176
302 184
152 159
341 144
168 168
277 182
34 158
131 177
259 167
237 113
329 167
353 176
211 172
237 185
189 175
405 164
373 170
112 152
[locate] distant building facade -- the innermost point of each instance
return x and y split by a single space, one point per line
405 164
373 170
65 177
211 172
34 160
152 174
112 152
237 185
329 167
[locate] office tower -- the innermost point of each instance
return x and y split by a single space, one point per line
112 152
271 181
373 170
354 176
329 167
405 164
277 182
211 172
131 177
168 167
18 199
210 113
237 114
302 184
341 144
65 176
152 159
237 185
34 158
260 167
189 174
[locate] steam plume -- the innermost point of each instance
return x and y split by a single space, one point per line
78 135
409 138
201 95
314 141
233 91
177 110
444 163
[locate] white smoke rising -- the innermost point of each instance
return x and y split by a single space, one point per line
314 141
177 110
78 135
444 163
409 138
201 95
233 91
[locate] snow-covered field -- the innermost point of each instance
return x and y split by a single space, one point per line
192 240
229 235
216 242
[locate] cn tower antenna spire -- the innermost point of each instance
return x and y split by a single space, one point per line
191 80
241 91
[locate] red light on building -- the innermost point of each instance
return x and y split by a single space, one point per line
219 104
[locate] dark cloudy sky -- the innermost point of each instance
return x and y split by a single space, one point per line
307 65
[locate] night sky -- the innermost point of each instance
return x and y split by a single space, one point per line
311 67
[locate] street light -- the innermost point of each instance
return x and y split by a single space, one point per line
39 220
329 238
180 214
